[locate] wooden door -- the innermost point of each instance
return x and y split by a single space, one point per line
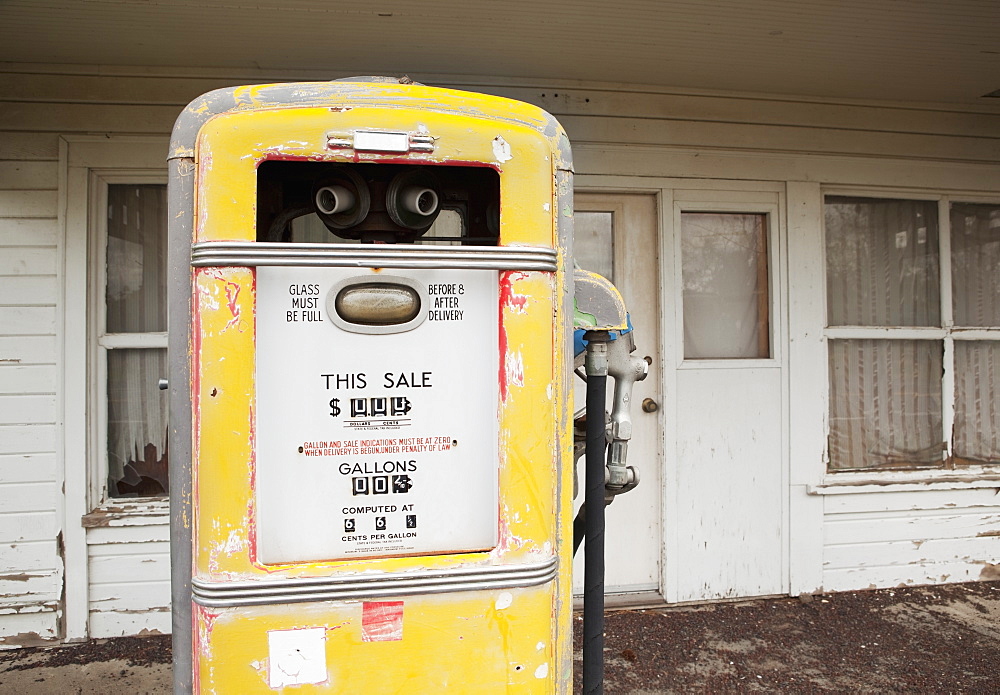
726 459
616 236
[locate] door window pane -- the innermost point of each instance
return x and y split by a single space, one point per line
593 242
137 423
137 259
882 262
975 258
977 409
135 295
885 403
725 275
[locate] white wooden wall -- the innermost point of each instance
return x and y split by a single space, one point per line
626 138
927 536
129 572
31 569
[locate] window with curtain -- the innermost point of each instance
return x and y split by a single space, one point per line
726 302
133 340
912 368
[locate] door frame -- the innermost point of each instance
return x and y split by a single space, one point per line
756 196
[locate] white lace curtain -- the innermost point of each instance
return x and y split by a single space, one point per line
975 272
725 275
883 271
136 304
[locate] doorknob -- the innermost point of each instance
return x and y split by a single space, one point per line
649 405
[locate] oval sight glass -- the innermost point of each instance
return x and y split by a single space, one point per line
377 304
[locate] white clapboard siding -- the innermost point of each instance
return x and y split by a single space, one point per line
28 320
68 118
904 575
30 378
923 500
28 203
28 232
129 590
32 555
129 596
138 561
17 498
29 146
29 625
135 104
883 539
28 260
177 90
31 525
36 175
922 553
31 569
153 621
589 129
905 526
29 468
152 531
33 586
26 439
27 350
28 410
27 294
31 577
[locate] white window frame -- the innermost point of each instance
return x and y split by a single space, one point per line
102 342
87 164
938 477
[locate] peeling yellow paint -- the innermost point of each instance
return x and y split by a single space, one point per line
516 640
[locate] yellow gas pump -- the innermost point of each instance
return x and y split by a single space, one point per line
377 419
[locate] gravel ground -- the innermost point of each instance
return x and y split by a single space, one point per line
943 639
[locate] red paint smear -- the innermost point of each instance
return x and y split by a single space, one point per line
518 302
200 614
232 293
505 293
503 544
382 621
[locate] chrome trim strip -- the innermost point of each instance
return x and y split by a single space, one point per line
376 585
413 256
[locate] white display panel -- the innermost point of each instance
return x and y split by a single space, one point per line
375 443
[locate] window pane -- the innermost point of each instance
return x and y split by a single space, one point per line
724 269
137 423
885 403
882 262
975 258
137 259
593 242
977 410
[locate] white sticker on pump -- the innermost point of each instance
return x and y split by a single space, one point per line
373 441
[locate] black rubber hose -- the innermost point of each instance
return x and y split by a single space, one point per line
593 561
579 527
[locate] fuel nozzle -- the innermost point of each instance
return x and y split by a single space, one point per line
625 369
